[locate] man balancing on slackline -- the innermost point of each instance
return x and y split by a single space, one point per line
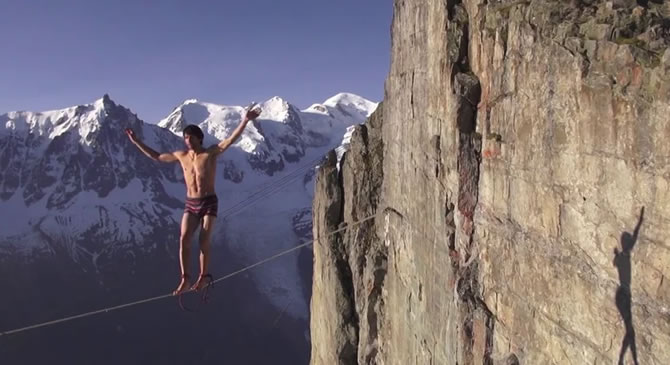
199 166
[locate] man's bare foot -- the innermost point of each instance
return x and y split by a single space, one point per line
203 281
183 286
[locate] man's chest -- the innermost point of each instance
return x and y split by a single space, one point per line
198 163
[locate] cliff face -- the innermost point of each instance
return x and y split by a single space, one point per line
519 170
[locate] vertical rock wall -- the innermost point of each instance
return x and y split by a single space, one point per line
519 172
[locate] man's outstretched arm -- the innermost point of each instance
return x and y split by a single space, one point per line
636 232
249 116
162 157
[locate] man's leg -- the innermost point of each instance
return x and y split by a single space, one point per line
189 223
205 239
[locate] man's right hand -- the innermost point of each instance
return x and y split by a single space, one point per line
131 135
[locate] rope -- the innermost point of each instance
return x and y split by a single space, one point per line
268 189
105 310
109 309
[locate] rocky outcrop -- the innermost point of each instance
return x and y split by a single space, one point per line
350 267
522 192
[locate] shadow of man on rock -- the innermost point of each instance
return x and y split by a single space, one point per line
623 293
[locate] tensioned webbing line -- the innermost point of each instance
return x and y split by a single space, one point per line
263 192
227 276
268 189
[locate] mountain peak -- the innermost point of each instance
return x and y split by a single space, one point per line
346 99
348 103
279 109
277 98
190 101
276 103
105 103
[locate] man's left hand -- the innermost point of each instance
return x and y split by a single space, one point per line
253 113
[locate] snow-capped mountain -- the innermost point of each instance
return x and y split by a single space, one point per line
69 182
268 175
73 186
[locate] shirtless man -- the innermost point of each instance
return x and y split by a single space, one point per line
199 165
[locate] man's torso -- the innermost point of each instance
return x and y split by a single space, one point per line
199 172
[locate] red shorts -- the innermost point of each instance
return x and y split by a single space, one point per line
207 205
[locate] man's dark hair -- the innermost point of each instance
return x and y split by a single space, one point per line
194 130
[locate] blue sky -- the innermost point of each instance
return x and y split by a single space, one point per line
150 56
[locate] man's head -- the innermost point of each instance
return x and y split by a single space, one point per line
193 136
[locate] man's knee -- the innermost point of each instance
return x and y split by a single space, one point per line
185 239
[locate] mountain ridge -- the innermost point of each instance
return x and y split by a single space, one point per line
84 192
